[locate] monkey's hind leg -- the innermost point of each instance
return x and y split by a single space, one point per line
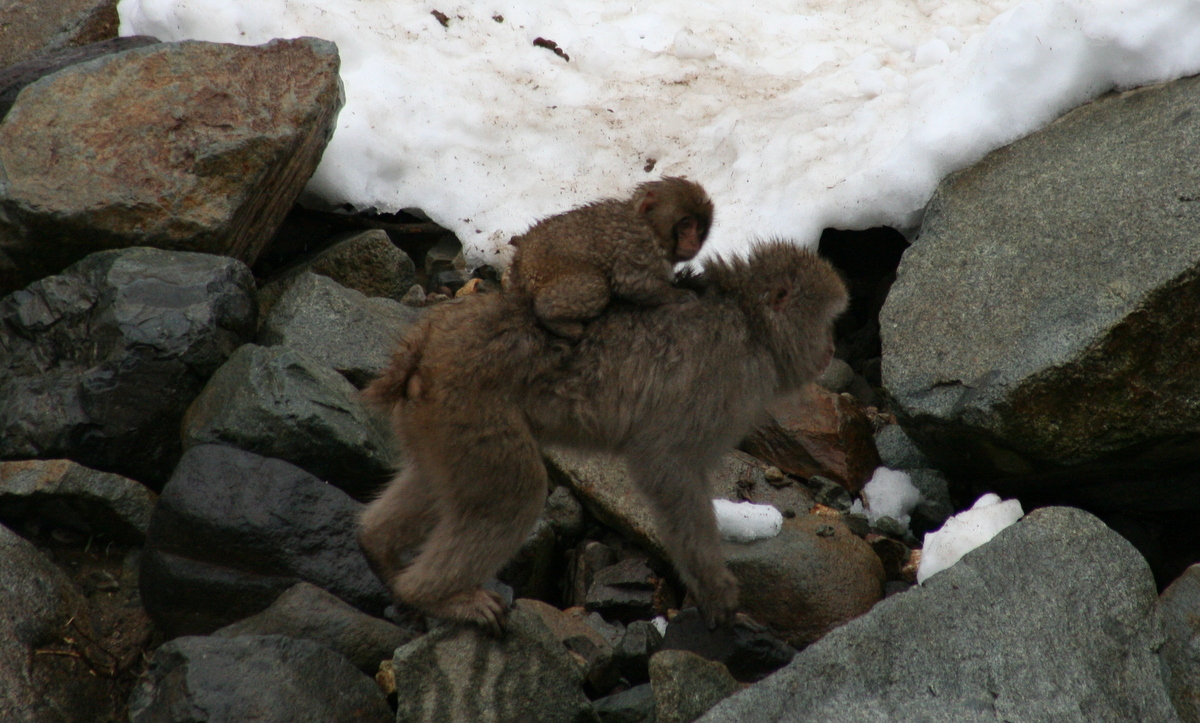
566 302
681 499
492 493
397 522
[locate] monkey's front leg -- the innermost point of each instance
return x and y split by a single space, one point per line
680 496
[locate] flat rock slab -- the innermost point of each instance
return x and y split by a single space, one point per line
1052 620
1049 315
233 531
265 678
280 402
188 146
99 363
71 495
459 674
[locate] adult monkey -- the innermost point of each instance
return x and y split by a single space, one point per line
479 385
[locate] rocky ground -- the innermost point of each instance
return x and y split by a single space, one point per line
181 348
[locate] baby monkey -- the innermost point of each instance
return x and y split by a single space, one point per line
572 264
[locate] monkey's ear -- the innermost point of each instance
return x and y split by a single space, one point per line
649 201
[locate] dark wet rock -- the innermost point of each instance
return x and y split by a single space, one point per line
306 611
233 531
897 450
814 576
185 146
836 377
15 77
530 572
588 557
445 255
71 495
366 261
38 609
1051 620
100 362
815 431
635 705
632 653
461 674
337 326
268 678
625 590
1059 277
1180 654
746 649
34 28
686 685
279 402
564 513
829 493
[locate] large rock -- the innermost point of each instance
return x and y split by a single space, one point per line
1179 605
187 146
339 327
459 674
15 77
686 685
812 577
279 402
306 611
233 530
38 607
35 27
263 678
817 432
1051 620
99 363
1045 325
82 499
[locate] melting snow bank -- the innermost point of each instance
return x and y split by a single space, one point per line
966 531
845 114
746 521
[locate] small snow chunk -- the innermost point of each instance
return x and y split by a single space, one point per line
691 47
746 521
932 53
660 624
890 493
966 531
951 36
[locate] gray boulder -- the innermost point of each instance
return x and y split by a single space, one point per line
1044 326
82 499
233 531
1178 606
459 674
38 607
686 685
279 402
339 327
265 678
99 363
211 145
1052 620
306 611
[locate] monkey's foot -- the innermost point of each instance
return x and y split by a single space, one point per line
719 600
477 607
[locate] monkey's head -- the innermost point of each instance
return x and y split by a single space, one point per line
791 298
679 212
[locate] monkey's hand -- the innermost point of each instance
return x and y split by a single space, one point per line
719 600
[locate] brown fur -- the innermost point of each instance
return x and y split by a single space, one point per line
571 264
479 386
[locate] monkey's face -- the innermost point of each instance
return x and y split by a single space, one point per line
689 236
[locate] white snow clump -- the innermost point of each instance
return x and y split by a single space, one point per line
966 531
746 521
890 493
